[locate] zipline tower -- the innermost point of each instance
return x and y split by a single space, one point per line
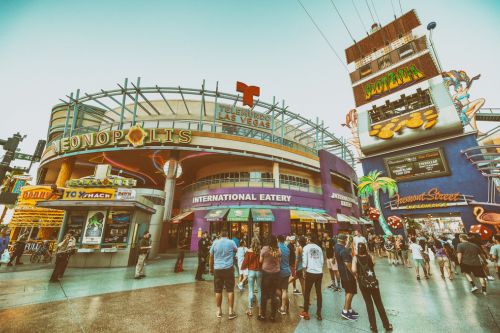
410 127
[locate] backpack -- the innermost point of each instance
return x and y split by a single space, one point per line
366 276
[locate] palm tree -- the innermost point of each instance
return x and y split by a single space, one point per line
370 185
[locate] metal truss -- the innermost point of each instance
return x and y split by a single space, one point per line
127 104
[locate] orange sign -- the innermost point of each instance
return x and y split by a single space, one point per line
248 92
30 195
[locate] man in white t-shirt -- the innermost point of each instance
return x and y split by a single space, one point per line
358 238
312 261
416 251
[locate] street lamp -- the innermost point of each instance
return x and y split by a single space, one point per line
431 26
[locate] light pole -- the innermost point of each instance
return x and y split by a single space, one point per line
431 26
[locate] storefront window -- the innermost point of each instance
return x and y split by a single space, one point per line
117 228
76 222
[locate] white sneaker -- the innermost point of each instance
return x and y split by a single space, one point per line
490 278
473 289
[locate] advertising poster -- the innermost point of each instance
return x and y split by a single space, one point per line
94 227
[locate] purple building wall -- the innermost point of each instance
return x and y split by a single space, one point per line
331 163
328 163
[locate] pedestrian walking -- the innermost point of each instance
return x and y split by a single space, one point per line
299 272
390 248
331 263
64 250
425 255
144 247
243 273
221 266
4 245
470 260
251 262
442 259
19 249
270 257
344 261
495 253
452 256
418 257
312 261
202 256
402 250
285 273
363 268
293 259
357 239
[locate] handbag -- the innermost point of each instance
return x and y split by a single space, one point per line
5 257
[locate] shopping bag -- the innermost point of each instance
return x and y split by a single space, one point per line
5 257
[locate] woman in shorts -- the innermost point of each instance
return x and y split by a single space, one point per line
442 259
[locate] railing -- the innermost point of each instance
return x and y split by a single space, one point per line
204 126
249 182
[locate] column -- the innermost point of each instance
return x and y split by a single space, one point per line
65 172
170 169
276 174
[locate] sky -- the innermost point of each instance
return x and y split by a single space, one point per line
53 47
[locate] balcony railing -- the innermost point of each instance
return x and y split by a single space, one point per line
258 183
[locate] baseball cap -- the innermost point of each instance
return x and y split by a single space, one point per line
292 238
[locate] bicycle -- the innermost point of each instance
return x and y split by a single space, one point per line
42 251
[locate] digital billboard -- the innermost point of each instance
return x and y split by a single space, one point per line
418 165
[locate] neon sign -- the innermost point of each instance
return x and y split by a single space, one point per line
135 136
392 80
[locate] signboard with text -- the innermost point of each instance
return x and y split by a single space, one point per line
89 194
419 165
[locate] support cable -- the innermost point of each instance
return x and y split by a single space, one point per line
393 10
359 16
343 22
369 9
376 14
323 35
400 7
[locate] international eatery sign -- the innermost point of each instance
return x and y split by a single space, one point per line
433 198
242 197
344 199
135 136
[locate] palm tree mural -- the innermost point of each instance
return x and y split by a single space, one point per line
370 185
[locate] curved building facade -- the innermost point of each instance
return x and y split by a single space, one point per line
220 165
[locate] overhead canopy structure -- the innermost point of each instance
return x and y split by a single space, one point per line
216 215
133 103
182 217
310 216
262 215
238 215
347 218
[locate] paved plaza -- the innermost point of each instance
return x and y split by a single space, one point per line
110 300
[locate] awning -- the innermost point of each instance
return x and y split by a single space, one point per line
262 215
347 218
365 221
302 216
117 204
309 216
183 216
238 215
216 215
329 219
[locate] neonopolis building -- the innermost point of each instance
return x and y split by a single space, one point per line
202 161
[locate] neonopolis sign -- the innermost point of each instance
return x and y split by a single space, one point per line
135 136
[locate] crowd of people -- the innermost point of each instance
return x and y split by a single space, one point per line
267 267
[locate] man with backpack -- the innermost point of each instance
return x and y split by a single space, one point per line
344 262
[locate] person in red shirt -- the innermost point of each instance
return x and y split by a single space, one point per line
251 261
